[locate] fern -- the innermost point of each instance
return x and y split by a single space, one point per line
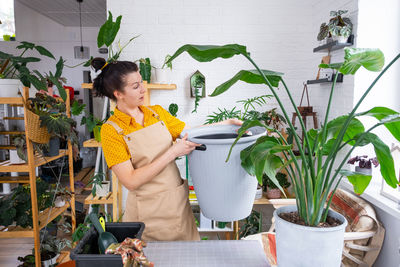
197 98
223 115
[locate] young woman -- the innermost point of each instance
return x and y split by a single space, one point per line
138 146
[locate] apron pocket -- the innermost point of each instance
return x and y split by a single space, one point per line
163 209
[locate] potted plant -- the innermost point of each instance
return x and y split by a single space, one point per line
340 28
163 74
313 176
93 124
271 189
18 155
61 195
101 187
52 117
145 69
197 88
50 248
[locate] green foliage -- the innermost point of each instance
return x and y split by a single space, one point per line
339 26
97 179
27 261
169 64
145 69
314 174
252 225
197 97
173 109
52 115
92 122
19 142
17 206
15 67
76 108
280 177
50 243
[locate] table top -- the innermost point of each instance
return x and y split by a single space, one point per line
210 253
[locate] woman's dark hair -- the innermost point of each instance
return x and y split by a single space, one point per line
111 77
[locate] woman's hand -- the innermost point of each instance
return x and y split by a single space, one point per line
183 147
230 122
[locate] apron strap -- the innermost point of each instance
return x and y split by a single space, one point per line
154 113
116 127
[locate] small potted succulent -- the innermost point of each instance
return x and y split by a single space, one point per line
62 195
364 164
271 189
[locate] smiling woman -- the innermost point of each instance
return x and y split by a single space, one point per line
7 22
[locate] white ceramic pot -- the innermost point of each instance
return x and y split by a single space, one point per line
14 158
163 76
298 245
50 262
342 39
59 202
103 190
10 87
365 171
225 191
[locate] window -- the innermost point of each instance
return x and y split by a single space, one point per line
7 19
386 190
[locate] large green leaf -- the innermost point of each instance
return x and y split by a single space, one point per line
383 155
371 59
59 67
206 53
25 59
26 45
335 126
43 51
354 58
381 113
249 76
110 35
359 181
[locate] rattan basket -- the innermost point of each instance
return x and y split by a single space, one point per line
36 133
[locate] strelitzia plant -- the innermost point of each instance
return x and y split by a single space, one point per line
312 173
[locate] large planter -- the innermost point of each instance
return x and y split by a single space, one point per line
10 87
224 189
298 245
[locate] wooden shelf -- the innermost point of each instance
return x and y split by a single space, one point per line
16 231
6 166
11 132
152 86
50 214
14 179
99 200
14 118
91 143
11 100
7 147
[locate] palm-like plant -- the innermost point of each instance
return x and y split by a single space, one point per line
312 173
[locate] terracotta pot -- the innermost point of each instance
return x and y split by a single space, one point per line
273 193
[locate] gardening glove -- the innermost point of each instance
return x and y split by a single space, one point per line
131 251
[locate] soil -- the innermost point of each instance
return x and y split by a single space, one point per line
294 217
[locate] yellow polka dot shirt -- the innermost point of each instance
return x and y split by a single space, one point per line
114 147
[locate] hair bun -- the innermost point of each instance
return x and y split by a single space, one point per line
97 63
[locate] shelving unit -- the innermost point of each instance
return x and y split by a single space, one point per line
115 196
39 219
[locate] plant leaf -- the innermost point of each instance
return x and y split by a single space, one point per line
112 31
249 76
59 67
206 53
26 45
104 29
359 181
355 127
380 113
371 59
43 51
334 66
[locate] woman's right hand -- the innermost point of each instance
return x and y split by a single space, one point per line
183 147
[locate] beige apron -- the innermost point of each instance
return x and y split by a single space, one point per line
163 203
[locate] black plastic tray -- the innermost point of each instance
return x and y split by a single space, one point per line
86 253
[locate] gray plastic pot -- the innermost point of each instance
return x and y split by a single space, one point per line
298 245
224 189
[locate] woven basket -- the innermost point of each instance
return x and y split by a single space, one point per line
36 133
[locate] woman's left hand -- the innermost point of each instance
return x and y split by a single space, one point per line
231 122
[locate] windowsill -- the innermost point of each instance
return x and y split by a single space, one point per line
372 195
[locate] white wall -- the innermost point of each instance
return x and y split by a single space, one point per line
379 26
33 27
